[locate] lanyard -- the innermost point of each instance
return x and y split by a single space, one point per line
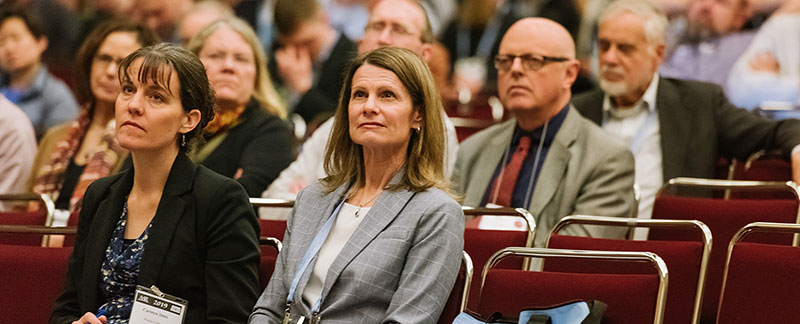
534 174
312 251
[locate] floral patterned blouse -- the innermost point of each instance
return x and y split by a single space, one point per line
120 271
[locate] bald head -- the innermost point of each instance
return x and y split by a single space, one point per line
536 67
549 37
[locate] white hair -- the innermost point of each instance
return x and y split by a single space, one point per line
654 21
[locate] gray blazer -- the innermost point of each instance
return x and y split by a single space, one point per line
398 267
587 171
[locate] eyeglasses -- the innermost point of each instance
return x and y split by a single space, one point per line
530 62
104 60
395 29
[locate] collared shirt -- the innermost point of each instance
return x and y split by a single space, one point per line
638 127
47 101
521 194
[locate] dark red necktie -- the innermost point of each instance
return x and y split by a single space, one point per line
510 175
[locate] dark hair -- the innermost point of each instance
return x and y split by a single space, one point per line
13 10
145 36
158 63
290 14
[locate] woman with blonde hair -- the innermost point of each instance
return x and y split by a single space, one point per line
379 240
247 140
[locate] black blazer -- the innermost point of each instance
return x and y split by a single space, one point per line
203 245
698 124
260 145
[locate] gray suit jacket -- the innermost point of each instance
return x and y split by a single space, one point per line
586 171
398 267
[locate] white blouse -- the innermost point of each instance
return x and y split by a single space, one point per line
344 227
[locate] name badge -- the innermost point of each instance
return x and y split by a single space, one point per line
150 305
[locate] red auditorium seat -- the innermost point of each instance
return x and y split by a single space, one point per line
631 298
686 260
458 295
272 227
481 243
724 218
761 283
270 247
37 217
33 278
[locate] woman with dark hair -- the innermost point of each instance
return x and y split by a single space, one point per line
74 154
164 222
379 240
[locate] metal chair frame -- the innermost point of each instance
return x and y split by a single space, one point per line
469 269
649 257
744 231
652 223
49 205
727 185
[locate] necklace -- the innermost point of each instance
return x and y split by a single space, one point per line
361 205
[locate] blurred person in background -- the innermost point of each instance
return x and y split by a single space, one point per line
400 23
74 154
704 44
160 16
198 16
248 139
311 58
24 79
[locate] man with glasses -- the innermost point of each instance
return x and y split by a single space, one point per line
547 158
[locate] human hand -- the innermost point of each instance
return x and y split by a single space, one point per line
765 62
91 319
295 67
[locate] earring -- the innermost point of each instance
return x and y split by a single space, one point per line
417 129
183 140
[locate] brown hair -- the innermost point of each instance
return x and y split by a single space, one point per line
263 90
290 14
145 36
158 63
344 159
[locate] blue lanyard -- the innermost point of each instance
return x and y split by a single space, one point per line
312 251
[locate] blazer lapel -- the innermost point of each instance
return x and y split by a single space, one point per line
488 159
383 212
105 219
674 127
170 210
555 164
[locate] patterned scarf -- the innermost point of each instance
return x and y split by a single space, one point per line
223 120
50 177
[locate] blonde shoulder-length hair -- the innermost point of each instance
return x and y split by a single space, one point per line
424 169
263 90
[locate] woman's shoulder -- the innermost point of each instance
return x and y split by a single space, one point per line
437 199
206 179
